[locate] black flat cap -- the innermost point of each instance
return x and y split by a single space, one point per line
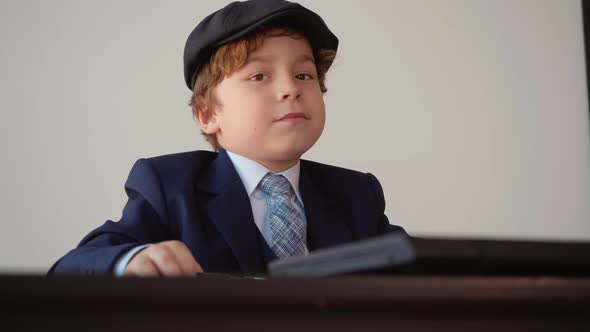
240 18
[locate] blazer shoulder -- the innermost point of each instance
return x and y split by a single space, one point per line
190 157
170 171
182 162
342 180
315 168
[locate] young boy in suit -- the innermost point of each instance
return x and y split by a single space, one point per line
257 71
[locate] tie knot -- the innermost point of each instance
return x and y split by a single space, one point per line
273 184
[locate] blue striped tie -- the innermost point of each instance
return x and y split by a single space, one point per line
286 223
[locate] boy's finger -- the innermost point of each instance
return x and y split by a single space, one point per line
144 267
165 260
185 258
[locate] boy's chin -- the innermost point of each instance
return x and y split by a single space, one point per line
279 159
280 153
290 152
280 156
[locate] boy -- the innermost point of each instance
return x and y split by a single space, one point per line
257 71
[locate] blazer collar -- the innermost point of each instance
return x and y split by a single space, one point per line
231 212
219 175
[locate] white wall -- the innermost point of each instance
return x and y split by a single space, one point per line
472 113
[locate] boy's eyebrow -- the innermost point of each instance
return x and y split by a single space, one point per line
299 59
304 58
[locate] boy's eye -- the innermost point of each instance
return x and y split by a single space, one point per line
304 77
258 77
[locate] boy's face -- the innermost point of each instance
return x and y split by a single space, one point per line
271 110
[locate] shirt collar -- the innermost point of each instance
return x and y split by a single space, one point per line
251 172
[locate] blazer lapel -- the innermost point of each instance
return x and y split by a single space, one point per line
231 212
326 217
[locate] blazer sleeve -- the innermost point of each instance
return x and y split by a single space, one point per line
383 222
143 221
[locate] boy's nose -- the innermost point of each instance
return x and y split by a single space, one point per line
288 90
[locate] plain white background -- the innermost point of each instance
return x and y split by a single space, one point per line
472 113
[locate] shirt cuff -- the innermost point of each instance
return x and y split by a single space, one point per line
123 261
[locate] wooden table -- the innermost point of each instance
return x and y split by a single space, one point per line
352 303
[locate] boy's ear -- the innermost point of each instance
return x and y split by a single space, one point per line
207 118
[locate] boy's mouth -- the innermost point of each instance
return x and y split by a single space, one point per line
298 116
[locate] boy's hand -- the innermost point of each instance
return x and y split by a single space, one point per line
169 258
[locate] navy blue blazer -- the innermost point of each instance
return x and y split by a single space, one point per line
198 198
